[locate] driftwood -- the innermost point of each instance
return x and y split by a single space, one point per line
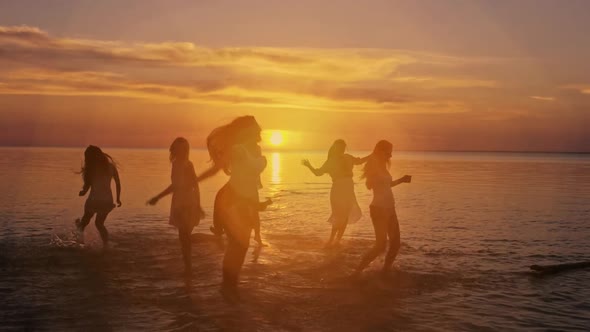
558 268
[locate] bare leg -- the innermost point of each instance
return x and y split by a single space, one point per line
380 244
104 234
82 223
341 228
257 237
394 242
261 207
233 260
332 235
238 232
184 236
218 211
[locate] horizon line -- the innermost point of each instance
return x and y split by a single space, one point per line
300 150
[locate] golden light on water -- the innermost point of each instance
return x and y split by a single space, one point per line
275 163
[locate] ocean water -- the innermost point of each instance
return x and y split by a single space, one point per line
471 224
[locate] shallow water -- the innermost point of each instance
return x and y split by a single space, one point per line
471 225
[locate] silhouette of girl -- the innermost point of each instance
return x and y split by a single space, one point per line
97 172
382 207
185 209
345 208
217 227
234 149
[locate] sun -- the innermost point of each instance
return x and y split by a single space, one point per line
276 138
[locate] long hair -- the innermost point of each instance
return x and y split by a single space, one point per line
221 140
95 162
337 149
335 153
179 149
376 162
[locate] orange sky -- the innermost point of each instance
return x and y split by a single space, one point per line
70 84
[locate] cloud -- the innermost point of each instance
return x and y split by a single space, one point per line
336 80
581 88
543 98
23 35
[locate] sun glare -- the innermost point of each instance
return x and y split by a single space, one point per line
276 138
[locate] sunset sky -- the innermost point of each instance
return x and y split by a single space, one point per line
426 75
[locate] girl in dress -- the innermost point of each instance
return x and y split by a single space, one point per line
345 208
185 209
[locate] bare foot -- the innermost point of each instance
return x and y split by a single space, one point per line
259 241
216 231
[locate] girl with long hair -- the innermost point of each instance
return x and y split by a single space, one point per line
234 149
383 215
98 171
345 208
185 208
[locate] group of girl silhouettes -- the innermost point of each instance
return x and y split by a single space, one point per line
234 149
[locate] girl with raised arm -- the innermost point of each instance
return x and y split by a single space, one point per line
185 208
98 171
345 208
382 207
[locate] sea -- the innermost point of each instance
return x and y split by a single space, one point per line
471 225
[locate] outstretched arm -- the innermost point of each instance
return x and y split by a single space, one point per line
317 171
159 196
208 173
359 161
403 179
118 186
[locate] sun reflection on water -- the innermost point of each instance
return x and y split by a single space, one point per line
275 163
